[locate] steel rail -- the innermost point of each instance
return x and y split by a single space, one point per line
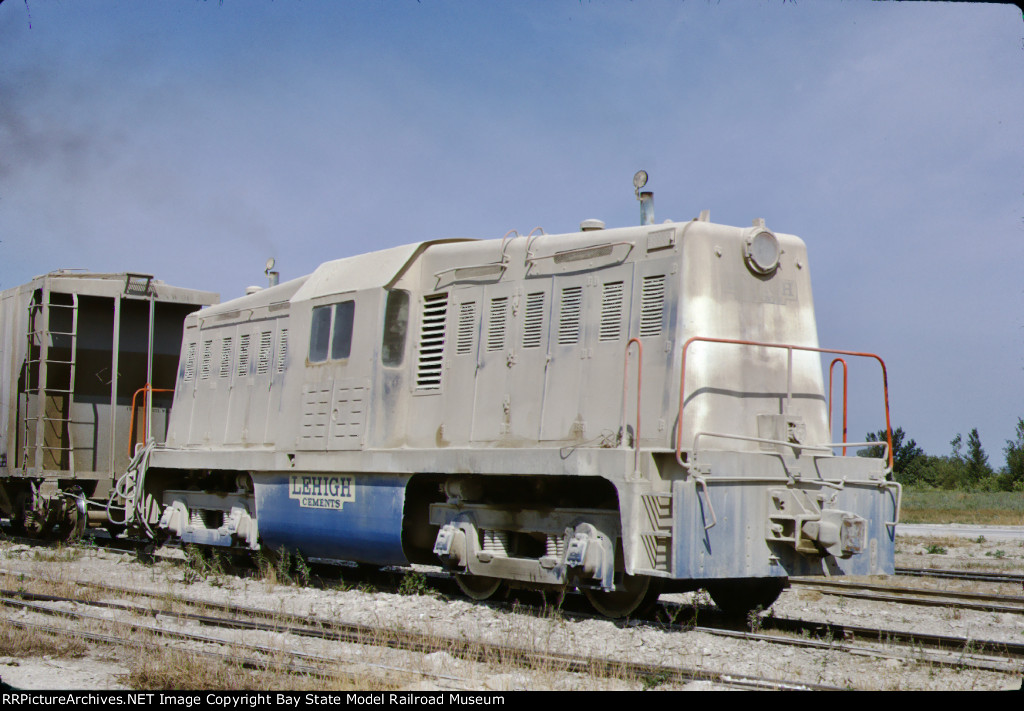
244 661
478 652
976 575
916 596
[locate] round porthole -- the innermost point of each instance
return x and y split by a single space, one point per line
762 252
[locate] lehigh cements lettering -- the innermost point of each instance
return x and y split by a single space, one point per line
322 492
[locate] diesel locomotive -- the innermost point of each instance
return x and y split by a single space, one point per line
625 411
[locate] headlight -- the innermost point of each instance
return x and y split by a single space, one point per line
762 252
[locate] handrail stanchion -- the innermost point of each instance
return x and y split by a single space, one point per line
146 389
831 367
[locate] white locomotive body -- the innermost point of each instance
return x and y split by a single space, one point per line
517 410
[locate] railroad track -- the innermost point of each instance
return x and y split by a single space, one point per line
989 655
957 651
975 575
986 602
876 642
249 619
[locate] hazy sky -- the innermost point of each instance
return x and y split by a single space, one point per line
192 140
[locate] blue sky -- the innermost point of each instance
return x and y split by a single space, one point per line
193 140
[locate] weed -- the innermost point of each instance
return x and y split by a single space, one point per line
998 553
18 642
414 583
264 567
283 567
979 539
60 554
300 569
655 680
935 549
201 564
756 620
165 668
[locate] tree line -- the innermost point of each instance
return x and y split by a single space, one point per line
966 467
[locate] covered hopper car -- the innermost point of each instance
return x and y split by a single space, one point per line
76 350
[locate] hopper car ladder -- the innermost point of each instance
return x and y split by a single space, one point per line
41 338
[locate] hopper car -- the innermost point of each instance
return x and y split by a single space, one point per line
76 348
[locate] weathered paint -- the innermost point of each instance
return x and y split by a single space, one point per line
355 517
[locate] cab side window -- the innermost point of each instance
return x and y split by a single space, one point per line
331 331
396 323
341 339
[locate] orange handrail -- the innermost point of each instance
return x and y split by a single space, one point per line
789 348
831 367
147 388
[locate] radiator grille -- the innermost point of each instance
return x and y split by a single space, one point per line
225 357
204 369
282 349
533 325
611 312
432 331
190 362
243 356
569 319
652 304
263 360
467 327
496 323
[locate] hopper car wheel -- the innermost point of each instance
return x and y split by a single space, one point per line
71 526
479 587
740 597
71 518
638 595
26 519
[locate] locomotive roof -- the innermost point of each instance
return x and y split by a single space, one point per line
364 271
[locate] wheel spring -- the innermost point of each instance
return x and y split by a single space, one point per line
496 543
554 547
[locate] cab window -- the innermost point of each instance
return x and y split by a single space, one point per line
331 331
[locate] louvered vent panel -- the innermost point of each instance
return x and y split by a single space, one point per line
533 325
467 326
611 312
432 329
204 369
282 349
496 324
652 305
190 362
263 360
225 357
243 356
569 319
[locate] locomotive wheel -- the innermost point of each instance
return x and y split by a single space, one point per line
478 587
739 597
638 595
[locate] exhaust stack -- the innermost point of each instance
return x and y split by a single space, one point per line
646 198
